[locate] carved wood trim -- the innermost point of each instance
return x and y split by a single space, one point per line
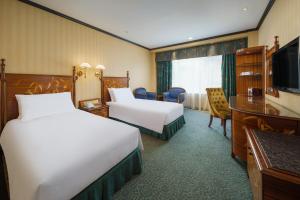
269 70
112 82
12 84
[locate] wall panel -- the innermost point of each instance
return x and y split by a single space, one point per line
36 41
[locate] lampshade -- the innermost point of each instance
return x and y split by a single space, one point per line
100 67
85 65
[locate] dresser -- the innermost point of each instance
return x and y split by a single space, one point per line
262 114
273 162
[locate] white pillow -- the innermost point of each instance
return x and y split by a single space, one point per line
111 94
39 105
122 94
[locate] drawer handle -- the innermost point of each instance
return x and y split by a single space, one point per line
250 153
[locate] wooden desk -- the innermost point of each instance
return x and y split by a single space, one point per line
258 113
273 164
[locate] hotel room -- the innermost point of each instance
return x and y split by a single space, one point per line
149 100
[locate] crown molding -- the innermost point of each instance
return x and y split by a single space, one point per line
79 22
265 13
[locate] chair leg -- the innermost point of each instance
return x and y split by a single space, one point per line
224 126
210 121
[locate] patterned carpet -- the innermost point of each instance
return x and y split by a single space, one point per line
195 164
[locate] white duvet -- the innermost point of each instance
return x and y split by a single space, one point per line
150 114
58 156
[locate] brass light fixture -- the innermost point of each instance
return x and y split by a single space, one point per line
82 69
99 71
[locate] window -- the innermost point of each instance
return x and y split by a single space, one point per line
197 74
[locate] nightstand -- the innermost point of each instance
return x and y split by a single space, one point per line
98 109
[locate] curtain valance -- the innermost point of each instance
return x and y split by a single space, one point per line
163 56
221 48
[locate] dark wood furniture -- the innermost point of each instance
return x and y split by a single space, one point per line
112 82
258 113
269 69
273 162
218 106
160 97
12 84
99 109
251 60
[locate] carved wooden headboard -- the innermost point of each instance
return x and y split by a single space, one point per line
112 82
12 84
269 69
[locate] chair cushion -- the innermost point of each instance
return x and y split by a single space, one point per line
174 92
218 103
140 91
170 99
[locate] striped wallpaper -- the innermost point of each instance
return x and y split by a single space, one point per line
283 20
35 41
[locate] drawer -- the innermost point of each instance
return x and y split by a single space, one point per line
266 123
101 112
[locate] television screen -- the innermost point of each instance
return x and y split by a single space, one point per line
286 67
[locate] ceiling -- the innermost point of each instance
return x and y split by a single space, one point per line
156 23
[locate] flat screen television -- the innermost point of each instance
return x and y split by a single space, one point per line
286 67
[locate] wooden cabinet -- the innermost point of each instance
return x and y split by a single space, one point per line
254 174
258 113
273 172
98 109
270 90
250 69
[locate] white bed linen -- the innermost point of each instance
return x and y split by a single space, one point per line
150 114
56 157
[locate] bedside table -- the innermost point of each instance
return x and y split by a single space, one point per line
98 109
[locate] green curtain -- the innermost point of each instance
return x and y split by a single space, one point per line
228 75
164 76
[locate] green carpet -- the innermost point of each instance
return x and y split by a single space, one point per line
195 164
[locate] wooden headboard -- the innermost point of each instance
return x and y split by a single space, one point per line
12 84
269 69
112 82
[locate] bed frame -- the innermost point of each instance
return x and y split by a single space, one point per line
123 82
12 84
112 82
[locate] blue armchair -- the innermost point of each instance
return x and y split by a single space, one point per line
175 94
141 93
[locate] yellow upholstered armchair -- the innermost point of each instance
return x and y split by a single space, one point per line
218 106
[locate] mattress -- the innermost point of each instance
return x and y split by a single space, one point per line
57 156
150 114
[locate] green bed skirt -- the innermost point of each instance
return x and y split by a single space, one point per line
168 131
114 179
104 187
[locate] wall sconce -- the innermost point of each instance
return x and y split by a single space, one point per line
82 70
99 73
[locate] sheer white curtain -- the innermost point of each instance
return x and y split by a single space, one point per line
195 75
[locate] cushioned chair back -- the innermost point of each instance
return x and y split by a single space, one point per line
140 91
217 100
175 91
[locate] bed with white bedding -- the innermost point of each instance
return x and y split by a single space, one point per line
51 150
58 156
157 118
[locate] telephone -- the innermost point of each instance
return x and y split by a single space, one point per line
89 105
